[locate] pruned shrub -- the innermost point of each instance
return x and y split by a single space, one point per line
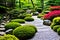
28 15
24 32
56 20
8 37
12 25
56 27
18 20
52 14
29 19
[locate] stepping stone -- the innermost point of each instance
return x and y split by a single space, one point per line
2 33
3 23
1 26
2 29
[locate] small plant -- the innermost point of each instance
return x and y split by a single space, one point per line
29 19
18 20
8 37
56 27
12 25
24 32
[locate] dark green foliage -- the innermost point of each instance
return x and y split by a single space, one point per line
24 32
1 16
8 37
53 2
39 10
56 27
12 25
22 16
14 13
58 31
29 19
3 9
18 20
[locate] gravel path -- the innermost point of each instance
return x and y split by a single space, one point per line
44 32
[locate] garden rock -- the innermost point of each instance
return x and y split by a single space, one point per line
47 22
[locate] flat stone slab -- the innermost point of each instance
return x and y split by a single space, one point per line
2 33
2 29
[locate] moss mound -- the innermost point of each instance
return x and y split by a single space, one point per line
12 25
24 32
8 37
18 20
29 19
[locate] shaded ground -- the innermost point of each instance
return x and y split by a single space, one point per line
44 32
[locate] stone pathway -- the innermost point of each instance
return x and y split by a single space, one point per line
44 32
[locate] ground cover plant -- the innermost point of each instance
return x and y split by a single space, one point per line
25 32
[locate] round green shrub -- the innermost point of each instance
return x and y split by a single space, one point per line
56 20
52 25
12 25
28 25
23 32
28 15
58 31
8 37
29 19
56 27
18 20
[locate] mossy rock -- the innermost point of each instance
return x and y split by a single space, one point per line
24 32
29 19
18 20
12 25
8 37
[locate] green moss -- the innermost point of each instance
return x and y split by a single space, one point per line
24 32
29 19
18 20
28 15
8 37
12 25
28 25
